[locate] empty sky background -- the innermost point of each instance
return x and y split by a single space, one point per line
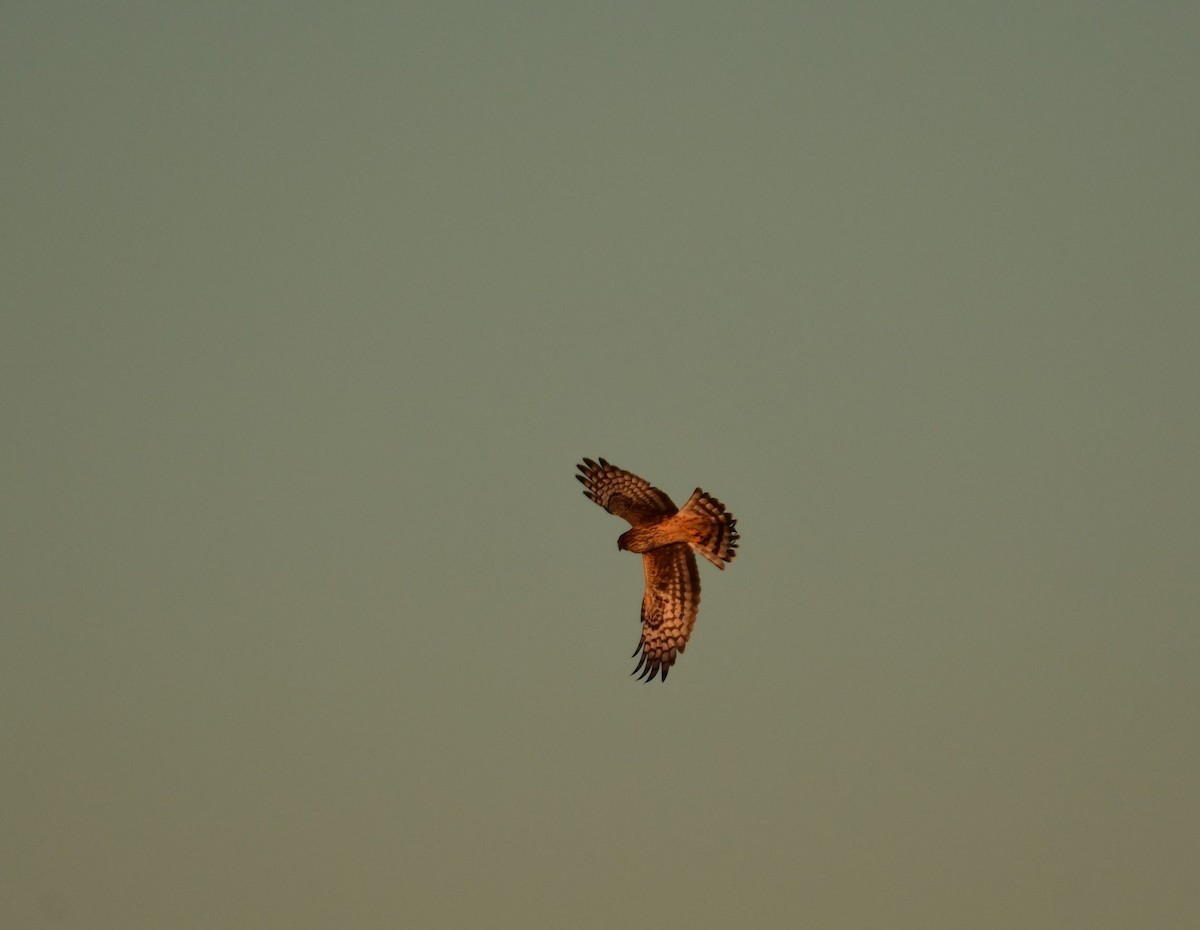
308 311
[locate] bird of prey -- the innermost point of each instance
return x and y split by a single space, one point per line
666 536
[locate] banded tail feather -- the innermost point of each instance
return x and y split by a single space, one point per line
712 530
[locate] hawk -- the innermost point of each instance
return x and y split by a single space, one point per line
665 535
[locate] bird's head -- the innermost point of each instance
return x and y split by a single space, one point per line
623 541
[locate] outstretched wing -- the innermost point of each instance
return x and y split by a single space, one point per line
623 493
669 607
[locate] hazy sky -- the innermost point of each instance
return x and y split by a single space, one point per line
308 312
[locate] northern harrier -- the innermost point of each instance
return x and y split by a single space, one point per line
666 536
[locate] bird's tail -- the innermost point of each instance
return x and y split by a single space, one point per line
711 529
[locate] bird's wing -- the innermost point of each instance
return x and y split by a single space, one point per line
669 607
623 493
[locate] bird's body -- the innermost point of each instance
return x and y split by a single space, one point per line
666 537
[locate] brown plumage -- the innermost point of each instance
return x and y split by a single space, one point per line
665 535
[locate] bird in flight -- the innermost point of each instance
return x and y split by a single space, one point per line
666 536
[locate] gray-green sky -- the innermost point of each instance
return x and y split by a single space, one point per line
308 311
